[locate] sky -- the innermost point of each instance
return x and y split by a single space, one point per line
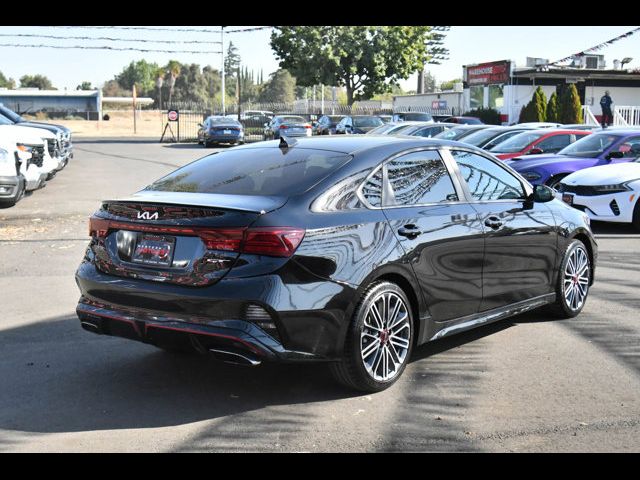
467 45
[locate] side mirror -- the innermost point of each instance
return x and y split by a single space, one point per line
611 155
542 194
535 151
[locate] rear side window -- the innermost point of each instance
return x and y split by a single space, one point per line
253 171
555 143
372 189
487 180
419 178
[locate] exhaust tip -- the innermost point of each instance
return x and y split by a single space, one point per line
235 358
92 327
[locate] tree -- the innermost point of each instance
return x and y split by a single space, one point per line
571 108
36 81
213 81
112 88
429 83
365 59
173 70
231 60
552 109
5 82
541 104
280 88
140 73
85 86
159 74
449 84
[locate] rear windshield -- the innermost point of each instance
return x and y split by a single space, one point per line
254 171
224 120
292 120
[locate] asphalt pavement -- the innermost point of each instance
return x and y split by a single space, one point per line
526 384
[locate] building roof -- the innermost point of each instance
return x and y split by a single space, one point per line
555 72
34 92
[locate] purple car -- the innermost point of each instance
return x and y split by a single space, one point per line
602 148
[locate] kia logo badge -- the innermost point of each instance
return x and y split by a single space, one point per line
147 216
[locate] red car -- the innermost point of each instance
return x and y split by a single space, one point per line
537 141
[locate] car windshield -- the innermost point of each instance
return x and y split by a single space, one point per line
454 133
590 146
335 119
517 143
383 129
254 171
292 119
481 136
5 121
367 122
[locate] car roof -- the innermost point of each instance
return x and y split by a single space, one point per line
351 144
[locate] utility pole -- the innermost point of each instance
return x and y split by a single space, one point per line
223 93
322 101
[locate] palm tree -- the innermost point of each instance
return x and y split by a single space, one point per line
173 69
159 82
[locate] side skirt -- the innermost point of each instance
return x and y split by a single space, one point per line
471 321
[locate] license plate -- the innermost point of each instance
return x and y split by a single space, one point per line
154 250
227 132
567 198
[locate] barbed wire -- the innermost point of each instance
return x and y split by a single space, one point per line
107 47
110 39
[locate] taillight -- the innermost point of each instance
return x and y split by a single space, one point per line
307 126
98 227
283 127
270 241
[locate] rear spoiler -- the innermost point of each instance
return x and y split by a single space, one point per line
243 203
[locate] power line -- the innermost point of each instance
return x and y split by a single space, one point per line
106 47
110 39
160 29
150 29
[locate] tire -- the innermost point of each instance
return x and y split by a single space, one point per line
554 181
574 275
366 367
206 144
636 216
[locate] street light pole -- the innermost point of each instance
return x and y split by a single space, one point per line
222 55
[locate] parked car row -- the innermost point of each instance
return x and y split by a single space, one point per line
31 153
594 170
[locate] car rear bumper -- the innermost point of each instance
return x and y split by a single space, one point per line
310 328
232 138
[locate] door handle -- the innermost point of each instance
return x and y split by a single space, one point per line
493 222
409 231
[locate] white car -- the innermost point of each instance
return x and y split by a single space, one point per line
19 167
608 193
49 164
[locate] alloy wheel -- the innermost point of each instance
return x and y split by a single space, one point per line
385 337
576 279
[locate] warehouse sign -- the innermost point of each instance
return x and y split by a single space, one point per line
488 73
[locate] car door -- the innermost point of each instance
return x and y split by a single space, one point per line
520 236
440 233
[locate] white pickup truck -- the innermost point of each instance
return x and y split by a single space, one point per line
49 164
21 164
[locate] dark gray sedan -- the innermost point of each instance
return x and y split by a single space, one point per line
218 129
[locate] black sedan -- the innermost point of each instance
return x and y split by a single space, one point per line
358 124
218 129
327 124
346 250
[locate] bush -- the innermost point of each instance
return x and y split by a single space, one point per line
490 116
570 106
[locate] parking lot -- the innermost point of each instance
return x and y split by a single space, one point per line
524 384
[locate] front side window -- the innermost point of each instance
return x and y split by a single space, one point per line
487 180
554 144
419 178
630 148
